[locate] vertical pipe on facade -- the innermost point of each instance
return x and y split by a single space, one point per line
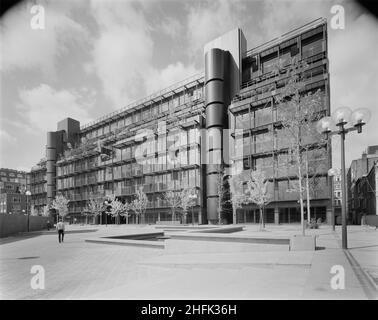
50 166
215 122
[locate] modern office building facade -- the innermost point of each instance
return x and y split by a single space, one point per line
366 194
361 185
185 135
337 195
13 186
38 186
16 178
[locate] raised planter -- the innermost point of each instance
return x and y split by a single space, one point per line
302 243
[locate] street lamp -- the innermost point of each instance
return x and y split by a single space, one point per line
337 125
193 196
331 173
27 193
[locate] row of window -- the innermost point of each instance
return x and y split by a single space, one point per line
175 179
310 47
12 174
267 141
142 166
149 147
266 114
284 165
147 113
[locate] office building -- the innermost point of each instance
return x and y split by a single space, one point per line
360 184
13 185
185 135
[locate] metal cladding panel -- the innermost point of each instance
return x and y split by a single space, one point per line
212 209
234 44
214 64
215 115
50 154
214 91
214 138
51 140
213 160
212 185
71 127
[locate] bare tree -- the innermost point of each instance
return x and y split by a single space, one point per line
237 197
125 212
298 114
222 192
139 204
95 206
60 204
46 211
257 185
174 200
33 211
117 207
186 201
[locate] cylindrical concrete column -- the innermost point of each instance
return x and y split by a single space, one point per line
276 215
51 166
215 92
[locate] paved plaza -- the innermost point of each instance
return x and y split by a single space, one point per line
188 269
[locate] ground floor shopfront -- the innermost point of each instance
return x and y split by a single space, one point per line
277 213
289 212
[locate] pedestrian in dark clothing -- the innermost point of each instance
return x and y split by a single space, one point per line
60 227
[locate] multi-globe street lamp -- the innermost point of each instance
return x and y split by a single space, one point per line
193 197
331 173
27 193
343 121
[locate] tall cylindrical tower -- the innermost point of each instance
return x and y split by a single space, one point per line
50 165
216 121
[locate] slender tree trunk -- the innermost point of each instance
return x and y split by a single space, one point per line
262 222
307 190
300 191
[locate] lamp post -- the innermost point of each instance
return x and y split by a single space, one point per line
193 196
331 173
337 124
27 193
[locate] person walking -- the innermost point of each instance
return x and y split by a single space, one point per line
60 227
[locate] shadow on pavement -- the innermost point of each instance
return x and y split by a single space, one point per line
17 238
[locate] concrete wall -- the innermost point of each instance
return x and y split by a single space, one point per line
11 224
372 220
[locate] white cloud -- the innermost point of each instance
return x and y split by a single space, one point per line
123 51
23 47
171 27
173 73
206 22
275 17
123 54
354 79
43 107
5 140
6 137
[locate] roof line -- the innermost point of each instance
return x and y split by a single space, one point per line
150 97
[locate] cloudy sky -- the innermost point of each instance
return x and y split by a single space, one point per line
94 57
